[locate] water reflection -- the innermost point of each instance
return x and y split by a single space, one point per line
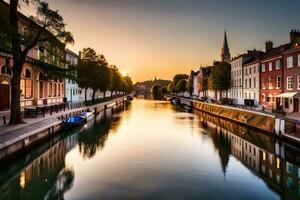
152 150
274 162
43 173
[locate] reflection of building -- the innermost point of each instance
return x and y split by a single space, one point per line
36 87
45 178
277 165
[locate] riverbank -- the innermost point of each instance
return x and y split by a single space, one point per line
14 139
263 122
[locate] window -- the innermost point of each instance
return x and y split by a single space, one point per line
270 66
278 64
250 83
263 97
270 82
246 71
28 84
22 87
250 70
41 85
298 83
254 81
254 69
263 83
50 89
289 61
240 82
245 83
278 82
55 89
289 83
298 60
263 67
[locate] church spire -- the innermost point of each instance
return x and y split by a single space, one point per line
225 54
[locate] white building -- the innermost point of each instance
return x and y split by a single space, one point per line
236 91
240 83
251 81
71 87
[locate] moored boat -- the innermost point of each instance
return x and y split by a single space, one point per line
75 121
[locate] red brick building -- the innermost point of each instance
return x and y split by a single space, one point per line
291 71
271 76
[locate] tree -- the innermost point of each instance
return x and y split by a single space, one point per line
105 79
116 79
181 85
89 71
220 78
46 26
170 87
129 84
178 77
189 86
163 89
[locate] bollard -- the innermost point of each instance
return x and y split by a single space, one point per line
4 120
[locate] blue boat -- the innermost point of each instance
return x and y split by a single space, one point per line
75 121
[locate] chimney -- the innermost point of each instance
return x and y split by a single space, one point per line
269 45
294 35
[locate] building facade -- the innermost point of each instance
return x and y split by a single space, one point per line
291 74
71 87
271 77
36 87
236 90
251 81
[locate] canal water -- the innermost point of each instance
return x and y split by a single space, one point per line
152 150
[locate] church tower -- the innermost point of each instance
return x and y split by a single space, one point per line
225 54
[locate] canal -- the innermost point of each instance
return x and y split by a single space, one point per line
152 150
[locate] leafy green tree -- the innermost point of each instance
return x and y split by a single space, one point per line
163 89
189 86
220 77
105 79
170 87
19 41
178 77
181 85
129 84
89 71
116 79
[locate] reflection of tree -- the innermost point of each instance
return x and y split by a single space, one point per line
92 140
224 148
63 183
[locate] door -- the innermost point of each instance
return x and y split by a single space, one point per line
4 96
296 105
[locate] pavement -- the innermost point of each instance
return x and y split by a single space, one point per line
13 133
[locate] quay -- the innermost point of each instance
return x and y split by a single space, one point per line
267 123
18 138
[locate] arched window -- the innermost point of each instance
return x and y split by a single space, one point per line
6 70
41 79
28 84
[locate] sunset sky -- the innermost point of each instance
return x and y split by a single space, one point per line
148 38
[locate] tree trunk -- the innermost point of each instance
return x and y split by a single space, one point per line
85 91
104 94
19 59
93 98
15 108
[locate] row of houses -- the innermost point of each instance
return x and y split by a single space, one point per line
269 79
36 87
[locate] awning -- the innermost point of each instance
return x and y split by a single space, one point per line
288 95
